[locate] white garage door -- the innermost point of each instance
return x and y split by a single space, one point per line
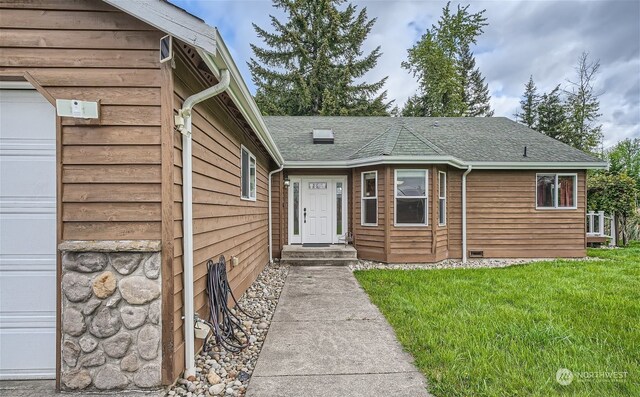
27 235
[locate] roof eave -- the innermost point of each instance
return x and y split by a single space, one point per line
207 40
239 93
449 160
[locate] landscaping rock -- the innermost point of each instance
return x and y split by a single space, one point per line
148 342
152 266
138 290
216 390
214 364
110 377
77 379
104 285
73 322
105 323
125 262
76 287
117 346
148 376
133 316
84 262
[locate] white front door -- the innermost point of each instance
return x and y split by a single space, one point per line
27 235
316 211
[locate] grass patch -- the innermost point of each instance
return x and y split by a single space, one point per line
505 332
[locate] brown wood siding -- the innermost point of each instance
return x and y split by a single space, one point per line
278 198
110 169
224 224
502 219
454 213
369 240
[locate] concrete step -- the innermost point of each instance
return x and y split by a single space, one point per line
334 251
319 261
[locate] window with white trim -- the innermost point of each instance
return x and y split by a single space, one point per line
369 198
412 203
556 191
247 174
442 198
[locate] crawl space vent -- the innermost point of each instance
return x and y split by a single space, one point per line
322 136
476 254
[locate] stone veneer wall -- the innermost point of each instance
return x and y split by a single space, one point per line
111 313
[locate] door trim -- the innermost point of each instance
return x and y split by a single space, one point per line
332 180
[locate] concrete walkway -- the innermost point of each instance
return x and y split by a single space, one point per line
328 339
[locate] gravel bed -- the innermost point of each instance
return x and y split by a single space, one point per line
456 264
220 373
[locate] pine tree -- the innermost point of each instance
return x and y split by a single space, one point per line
583 107
476 92
552 120
436 60
529 105
311 61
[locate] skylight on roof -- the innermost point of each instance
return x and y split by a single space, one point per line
322 135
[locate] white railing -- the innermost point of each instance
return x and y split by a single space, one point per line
601 225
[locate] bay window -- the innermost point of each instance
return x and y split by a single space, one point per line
369 198
411 202
556 191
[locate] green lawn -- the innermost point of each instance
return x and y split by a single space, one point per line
506 332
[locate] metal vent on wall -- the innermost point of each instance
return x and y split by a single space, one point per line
476 254
322 136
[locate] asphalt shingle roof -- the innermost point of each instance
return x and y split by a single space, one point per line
495 139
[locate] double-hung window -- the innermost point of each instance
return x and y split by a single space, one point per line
442 198
369 197
556 191
411 189
247 174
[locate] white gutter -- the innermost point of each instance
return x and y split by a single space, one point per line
449 160
271 215
464 214
183 125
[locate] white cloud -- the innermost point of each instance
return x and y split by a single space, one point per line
524 38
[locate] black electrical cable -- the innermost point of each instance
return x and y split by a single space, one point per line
224 324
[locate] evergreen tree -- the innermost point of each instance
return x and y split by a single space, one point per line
449 83
311 61
552 120
583 107
529 105
476 92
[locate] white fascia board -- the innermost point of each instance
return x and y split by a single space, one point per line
241 96
172 20
449 160
515 165
376 161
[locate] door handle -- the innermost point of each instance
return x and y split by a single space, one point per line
305 215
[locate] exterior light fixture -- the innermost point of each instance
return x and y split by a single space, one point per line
286 182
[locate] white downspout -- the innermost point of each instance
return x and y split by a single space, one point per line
464 214
271 215
183 125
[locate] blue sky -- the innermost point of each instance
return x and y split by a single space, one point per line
539 38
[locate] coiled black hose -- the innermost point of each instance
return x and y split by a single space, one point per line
224 324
